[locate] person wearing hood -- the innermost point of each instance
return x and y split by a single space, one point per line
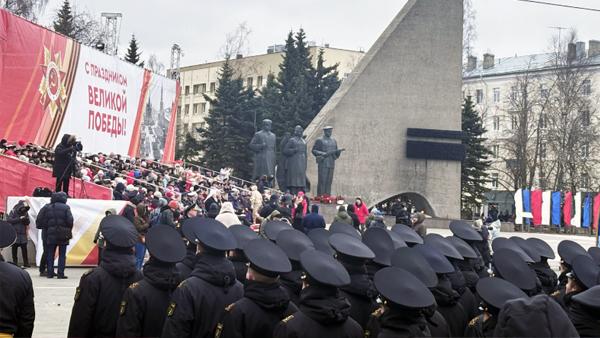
144 303
118 193
361 292
63 162
352 214
198 302
313 220
265 302
227 215
342 216
19 219
323 311
361 210
57 220
97 298
17 314
256 202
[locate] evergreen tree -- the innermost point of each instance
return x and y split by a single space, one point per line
64 22
133 53
270 103
326 82
229 125
476 163
190 150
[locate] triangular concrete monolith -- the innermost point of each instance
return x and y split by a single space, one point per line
410 78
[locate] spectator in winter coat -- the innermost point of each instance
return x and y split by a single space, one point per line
213 211
342 216
361 210
19 219
227 215
57 219
141 223
355 220
167 215
313 220
377 221
118 192
418 225
256 202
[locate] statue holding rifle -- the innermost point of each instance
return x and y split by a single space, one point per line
326 152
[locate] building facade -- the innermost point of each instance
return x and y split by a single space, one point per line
541 113
201 79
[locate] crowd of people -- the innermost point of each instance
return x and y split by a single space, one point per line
205 277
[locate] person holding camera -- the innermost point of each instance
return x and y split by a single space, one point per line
19 219
64 161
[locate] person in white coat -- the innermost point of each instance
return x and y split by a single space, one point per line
227 215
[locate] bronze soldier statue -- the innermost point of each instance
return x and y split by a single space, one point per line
295 154
263 146
326 152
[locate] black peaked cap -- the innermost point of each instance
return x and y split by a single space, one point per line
443 245
165 244
380 242
273 228
350 246
586 271
495 291
397 239
243 234
8 235
463 247
188 228
438 262
505 243
324 269
266 256
407 233
568 250
400 287
320 238
293 243
589 297
511 267
594 252
542 247
212 234
119 231
529 249
464 231
412 261
343 228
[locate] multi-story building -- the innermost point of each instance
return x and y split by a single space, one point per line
197 80
495 86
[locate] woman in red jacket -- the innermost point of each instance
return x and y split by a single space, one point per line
360 209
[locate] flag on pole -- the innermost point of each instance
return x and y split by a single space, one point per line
536 206
568 208
556 208
518 207
527 205
576 220
596 211
546 207
587 211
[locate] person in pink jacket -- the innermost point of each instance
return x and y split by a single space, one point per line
360 209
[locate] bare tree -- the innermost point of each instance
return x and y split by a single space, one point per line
86 29
236 42
469 28
28 9
155 65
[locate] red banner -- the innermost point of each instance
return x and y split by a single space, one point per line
20 178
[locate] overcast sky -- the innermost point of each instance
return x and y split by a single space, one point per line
504 27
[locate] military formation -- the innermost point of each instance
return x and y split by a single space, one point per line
206 280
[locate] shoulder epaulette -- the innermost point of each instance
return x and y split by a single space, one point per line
287 319
473 321
229 307
377 313
181 284
85 274
555 293
134 285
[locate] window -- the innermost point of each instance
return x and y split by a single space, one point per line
186 109
178 110
544 92
203 108
496 122
585 150
249 82
496 95
586 87
195 109
187 90
212 87
514 91
479 96
543 121
259 81
185 127
585 118
495 150
585 180
514 122
203 88
196 88
494 180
